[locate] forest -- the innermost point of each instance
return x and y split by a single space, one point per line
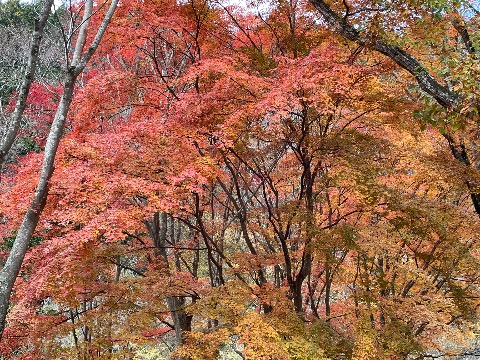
257 180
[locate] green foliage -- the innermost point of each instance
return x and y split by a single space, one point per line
25 145
150 352
7 243
17 20
258 60
16 13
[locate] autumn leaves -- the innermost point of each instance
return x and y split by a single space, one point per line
250 186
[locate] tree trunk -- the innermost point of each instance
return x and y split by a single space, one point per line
442 94
157 229
12 266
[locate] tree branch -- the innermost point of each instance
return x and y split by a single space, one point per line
427 83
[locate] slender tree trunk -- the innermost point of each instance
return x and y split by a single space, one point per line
12 266
157 228
14 262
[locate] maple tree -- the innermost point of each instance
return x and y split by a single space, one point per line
248 186
447 42
75 67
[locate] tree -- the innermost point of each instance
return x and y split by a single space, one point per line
244 185
459 106
75 66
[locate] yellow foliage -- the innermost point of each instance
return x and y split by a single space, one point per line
365 343
272 337
150 353
201 346
261 340
226 303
